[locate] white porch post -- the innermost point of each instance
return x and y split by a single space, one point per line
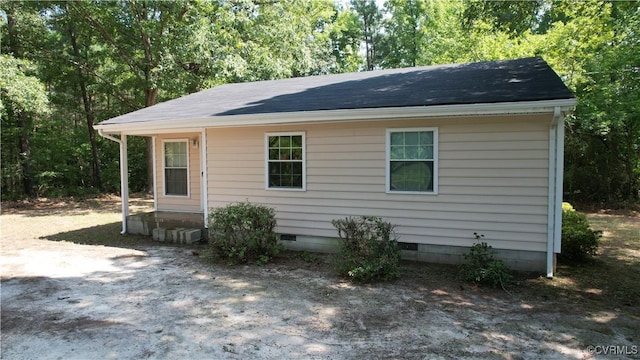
155 174
204 183
124 182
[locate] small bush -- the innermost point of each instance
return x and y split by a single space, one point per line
369 250
482 267
567 207
244 232
579 242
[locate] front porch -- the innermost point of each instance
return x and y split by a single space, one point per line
168 226
179 179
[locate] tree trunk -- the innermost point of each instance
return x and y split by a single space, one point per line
631 159
89 114
150 99
25 154
367 44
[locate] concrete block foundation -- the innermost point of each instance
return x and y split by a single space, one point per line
520 260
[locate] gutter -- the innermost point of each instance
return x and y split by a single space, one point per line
124 179
132 123
106 136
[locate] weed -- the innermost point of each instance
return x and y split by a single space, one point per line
309 257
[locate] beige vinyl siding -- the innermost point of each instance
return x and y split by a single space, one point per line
192 203
492 179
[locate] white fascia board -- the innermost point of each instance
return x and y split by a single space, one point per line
193 125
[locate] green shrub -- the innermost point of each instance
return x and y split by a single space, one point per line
244 232
579 242
482 267
369 249
567 207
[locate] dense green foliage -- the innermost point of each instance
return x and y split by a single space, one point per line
244 233
369 250
482 267
579 241
69 65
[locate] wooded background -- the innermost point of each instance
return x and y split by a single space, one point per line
65 66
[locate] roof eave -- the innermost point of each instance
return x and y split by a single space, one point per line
185 125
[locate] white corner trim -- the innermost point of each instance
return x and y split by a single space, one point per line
559 184
554 209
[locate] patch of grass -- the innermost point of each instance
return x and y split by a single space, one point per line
611 281
309 257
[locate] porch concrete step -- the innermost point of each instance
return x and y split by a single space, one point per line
177 235
143 224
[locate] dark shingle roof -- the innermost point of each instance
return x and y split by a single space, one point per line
527 79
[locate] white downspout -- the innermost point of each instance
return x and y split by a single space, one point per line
553 191
204 183
124 178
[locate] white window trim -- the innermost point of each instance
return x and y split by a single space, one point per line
388 160
164 167
304 160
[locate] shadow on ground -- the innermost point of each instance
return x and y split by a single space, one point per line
105 235
39 207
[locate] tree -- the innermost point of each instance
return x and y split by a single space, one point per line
20 25
370 22
404 33
345 41
145 38
80 57
275 40
603 148
511 17
22 97
96 60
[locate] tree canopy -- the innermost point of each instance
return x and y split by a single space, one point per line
65 66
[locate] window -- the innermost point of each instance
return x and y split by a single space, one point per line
176 167
412 160
285 165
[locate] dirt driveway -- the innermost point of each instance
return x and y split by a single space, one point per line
63 300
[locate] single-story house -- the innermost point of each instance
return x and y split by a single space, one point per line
440 151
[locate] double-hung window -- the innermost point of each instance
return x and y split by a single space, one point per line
176 167
285 161
412 156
